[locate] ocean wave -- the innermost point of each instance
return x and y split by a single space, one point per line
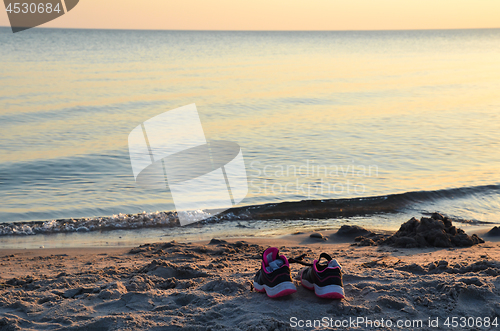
321 209
289 210
115 222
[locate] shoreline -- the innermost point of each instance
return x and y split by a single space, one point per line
330 238
291 210
128 238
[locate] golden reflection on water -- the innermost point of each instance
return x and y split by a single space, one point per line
426 116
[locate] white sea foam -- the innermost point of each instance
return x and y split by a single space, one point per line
120 221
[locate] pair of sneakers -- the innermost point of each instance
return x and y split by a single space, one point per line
273 278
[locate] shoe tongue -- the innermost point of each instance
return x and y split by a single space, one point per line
334 264
270 255
276 264
331 264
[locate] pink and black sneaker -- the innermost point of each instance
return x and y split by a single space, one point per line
274 275
325 279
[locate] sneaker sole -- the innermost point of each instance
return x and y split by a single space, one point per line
305 283
277 291
326 292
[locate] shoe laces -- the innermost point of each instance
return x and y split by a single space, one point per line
332 263
299 260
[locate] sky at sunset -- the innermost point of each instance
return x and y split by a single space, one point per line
279 15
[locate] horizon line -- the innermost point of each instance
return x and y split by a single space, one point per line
220 30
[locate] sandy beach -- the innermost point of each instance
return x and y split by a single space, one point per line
206 286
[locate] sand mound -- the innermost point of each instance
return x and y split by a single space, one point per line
436 231
494 232
352 231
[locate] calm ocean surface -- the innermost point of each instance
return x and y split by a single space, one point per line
318 115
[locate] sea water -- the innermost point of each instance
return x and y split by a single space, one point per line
318 115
